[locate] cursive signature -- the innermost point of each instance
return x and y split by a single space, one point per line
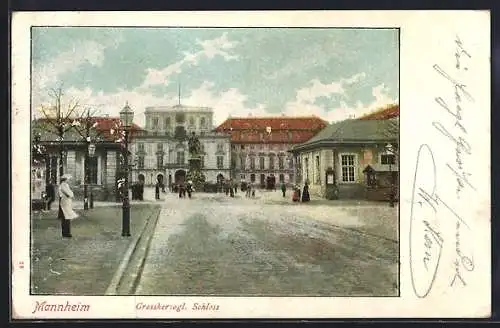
424 262
427 206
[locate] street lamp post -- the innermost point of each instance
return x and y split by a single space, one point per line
91 155
390 150
126 117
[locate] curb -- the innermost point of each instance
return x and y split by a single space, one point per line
117 277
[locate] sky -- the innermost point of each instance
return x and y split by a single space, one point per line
330 73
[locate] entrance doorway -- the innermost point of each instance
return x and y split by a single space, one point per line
180 176
159 178
141 178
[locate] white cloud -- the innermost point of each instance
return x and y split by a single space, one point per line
317 55
47 75
228 103
304 104
210 48
225 104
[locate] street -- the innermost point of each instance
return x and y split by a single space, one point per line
217 245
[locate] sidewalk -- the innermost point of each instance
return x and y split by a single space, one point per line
86 263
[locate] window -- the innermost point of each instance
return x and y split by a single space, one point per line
220 162
388 159
290 163
140 147
252 177
242 162
281 163
271 162
290 177
242 147
180 118
180 157
92 167
348 168
262 180
252 147
261 162
252 163
167 123
220 147
317 170
191 121
180 132
140 162
203 123
242 177
306 164
155 123
159 162
233 163
282 178
159 147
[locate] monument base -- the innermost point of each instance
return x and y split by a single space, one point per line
194 174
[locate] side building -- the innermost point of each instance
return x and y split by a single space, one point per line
260 145
160 150
104 167
349 149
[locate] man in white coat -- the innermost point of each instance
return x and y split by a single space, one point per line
66 213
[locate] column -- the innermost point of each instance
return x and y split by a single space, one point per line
71 163
110 168
99 169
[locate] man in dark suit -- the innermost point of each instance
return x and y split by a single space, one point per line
51 194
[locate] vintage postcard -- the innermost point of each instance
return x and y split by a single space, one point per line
291 164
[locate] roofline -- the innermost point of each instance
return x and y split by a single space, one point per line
327 143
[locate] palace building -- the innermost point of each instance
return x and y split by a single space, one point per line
161 153
260 147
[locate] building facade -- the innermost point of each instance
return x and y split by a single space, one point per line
260 146
105 167
348 148
160 151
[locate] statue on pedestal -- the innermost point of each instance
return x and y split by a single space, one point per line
195 150
194 145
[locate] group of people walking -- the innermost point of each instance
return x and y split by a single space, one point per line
299 196
185 188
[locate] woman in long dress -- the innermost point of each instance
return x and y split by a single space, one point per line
66 206
305 193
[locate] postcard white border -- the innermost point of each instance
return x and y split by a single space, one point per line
427 38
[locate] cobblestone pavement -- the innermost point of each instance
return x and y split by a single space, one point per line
217 245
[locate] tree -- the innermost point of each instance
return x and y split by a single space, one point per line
59 120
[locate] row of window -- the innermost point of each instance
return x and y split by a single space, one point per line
263 178
252 166
180 160
347 165
159 147
179 119
261 146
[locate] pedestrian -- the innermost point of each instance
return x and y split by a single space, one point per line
283 189
305 193
189 188
157 190
50 194
181 191
66 213
296 194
